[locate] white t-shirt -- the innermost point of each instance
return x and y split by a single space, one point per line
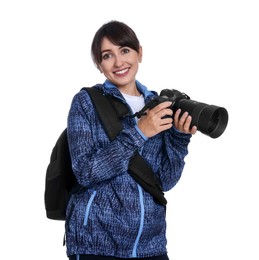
135 102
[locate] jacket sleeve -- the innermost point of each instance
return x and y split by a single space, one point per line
94 158
167 158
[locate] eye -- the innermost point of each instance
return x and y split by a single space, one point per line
106 56
125 50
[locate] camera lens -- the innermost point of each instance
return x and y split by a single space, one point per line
213 122
209 119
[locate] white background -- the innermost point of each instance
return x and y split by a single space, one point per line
208 49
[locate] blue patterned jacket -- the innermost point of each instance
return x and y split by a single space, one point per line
114 216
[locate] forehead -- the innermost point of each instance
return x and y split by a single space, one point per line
108 45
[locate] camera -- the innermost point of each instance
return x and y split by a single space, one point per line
210 120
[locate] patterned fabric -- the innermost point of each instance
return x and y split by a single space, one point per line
113 215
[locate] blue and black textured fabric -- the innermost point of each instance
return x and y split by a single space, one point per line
114 216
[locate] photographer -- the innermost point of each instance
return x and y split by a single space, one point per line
114 217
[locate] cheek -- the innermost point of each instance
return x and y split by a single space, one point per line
105 71
105 67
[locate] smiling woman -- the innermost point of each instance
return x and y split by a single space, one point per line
120 65
111 215
116 52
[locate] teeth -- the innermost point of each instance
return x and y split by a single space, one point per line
121 72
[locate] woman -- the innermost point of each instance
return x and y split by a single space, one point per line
113 217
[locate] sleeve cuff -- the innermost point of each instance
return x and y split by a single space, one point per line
179 132
141 133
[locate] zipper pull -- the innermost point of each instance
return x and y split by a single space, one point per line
64 239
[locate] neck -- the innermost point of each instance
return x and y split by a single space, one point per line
132 91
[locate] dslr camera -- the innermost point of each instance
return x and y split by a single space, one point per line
210 120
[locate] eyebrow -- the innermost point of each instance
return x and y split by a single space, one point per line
108 50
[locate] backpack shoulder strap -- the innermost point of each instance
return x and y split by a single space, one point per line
141 172
110 111
106 111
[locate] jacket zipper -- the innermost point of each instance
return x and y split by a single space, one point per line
142 214
141 200
88 208
141 224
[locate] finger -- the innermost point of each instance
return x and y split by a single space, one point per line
187 124
194 130
183 119
161 106
165 127
176 116
166 112
166 121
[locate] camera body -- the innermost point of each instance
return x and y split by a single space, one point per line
211 120
167 95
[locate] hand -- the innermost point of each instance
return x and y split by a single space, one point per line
155 120
183 123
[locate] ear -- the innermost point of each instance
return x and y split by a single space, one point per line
140 54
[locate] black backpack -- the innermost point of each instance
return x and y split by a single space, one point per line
60 180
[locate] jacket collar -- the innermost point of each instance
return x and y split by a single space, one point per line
111 89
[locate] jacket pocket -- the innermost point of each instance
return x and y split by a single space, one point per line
88 207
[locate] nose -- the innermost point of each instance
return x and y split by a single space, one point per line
118 61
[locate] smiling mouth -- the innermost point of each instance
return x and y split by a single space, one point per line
121 72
